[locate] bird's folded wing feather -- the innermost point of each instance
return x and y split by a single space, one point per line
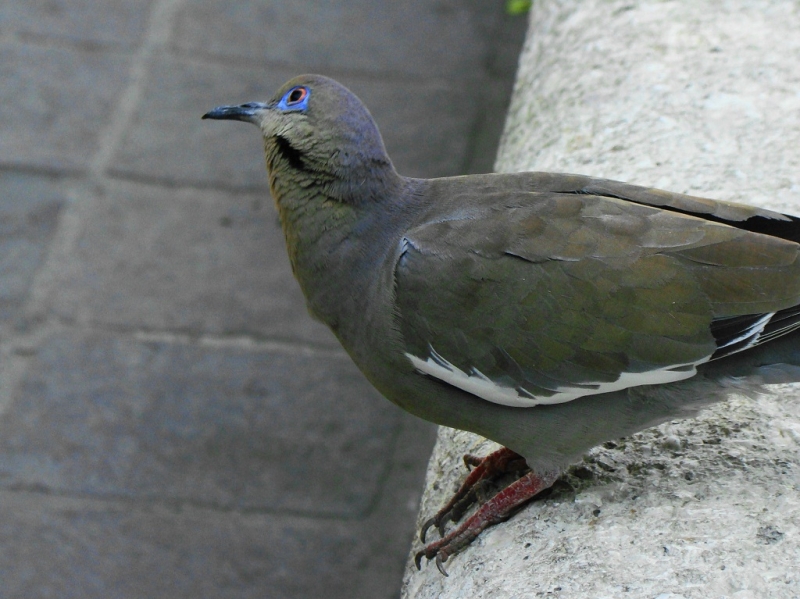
542 297
731 212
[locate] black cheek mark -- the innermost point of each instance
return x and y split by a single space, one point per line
292 155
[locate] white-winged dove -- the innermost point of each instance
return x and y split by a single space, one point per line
547 312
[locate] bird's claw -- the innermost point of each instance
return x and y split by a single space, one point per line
425 526
438 555
439 551
471 461
439 564
440 520
482 472
496 509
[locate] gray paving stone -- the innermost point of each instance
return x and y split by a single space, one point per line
507 35
68 548
414 37
494 99
103 415
29 209
426 125
186 261
54 102
98 21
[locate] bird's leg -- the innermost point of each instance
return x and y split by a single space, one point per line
499 508
486 470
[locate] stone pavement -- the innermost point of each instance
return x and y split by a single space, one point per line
172 423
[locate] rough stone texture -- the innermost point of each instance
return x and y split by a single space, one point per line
694 97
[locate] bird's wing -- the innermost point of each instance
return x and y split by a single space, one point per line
531 298
744 216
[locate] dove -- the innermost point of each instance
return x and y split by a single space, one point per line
547 312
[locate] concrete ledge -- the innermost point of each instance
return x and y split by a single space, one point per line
695 96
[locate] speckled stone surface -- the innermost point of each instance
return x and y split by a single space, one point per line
701 97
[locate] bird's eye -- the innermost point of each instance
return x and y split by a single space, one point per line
295 99
296 95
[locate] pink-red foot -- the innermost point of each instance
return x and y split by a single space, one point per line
497 509
484 472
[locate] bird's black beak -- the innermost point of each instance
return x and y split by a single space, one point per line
245 112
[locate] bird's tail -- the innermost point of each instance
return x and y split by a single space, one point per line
773 363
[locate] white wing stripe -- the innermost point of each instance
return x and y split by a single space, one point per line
481 386
754 331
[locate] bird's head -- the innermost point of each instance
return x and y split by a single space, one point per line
317 128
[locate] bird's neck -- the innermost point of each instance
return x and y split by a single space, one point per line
335 225
319 209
